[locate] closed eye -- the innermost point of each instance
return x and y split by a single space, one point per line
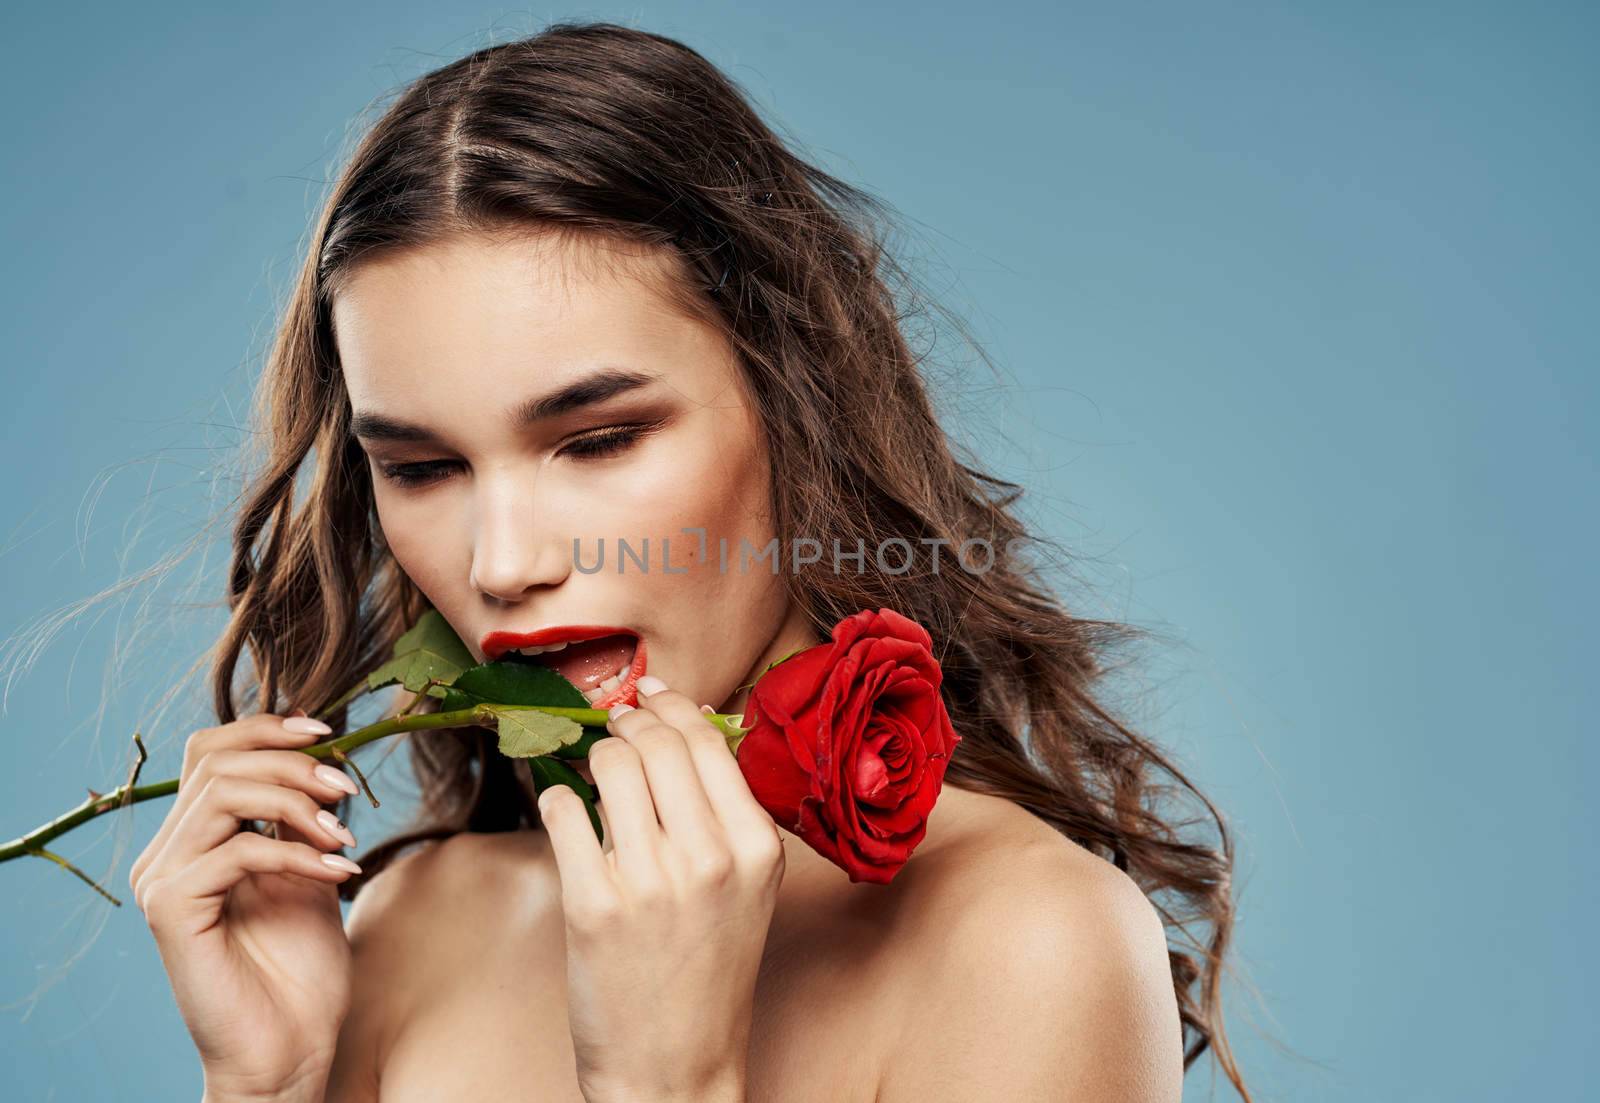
604 443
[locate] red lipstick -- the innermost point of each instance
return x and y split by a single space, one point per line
495 644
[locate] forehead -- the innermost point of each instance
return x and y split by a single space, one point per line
476 314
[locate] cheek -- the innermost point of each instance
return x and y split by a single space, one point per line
689 485
413 539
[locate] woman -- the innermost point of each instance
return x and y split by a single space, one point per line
571 291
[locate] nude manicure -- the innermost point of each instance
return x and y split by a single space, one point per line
336 779
339 861
335 828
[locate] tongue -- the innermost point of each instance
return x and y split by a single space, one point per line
591 662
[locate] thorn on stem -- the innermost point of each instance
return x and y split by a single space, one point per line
138 763
350 762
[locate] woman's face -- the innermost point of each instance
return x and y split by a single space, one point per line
512 397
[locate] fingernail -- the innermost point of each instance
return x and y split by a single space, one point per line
649 684
305 725
618 709
331 822
339 861
707 709
337 779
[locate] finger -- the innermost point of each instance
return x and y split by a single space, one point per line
727 791
325 782
327 773
286 768
197 890
675 787
228 800
582 866
295 769
262 730
630 813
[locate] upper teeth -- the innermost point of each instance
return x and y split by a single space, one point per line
540 650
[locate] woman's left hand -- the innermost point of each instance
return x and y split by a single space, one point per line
665 929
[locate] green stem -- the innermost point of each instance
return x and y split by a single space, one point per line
129 792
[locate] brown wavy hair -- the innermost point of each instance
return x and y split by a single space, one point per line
600 130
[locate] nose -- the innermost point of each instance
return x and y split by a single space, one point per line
512 553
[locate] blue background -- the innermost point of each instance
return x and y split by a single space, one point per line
1294 310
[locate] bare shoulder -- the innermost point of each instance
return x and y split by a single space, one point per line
469 881
404 928
1049 976
445 873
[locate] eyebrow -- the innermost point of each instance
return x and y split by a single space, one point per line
594 388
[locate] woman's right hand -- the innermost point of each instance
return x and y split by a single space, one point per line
248 926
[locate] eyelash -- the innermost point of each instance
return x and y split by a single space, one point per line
606 442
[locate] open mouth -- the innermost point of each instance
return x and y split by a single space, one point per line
605 669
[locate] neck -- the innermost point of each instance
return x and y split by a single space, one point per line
795 633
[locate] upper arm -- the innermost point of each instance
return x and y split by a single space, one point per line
1052 987
377 928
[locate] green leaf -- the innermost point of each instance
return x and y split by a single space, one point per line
429 650
549 771
512 683
580 749
526 732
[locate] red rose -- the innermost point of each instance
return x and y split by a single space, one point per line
848 743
